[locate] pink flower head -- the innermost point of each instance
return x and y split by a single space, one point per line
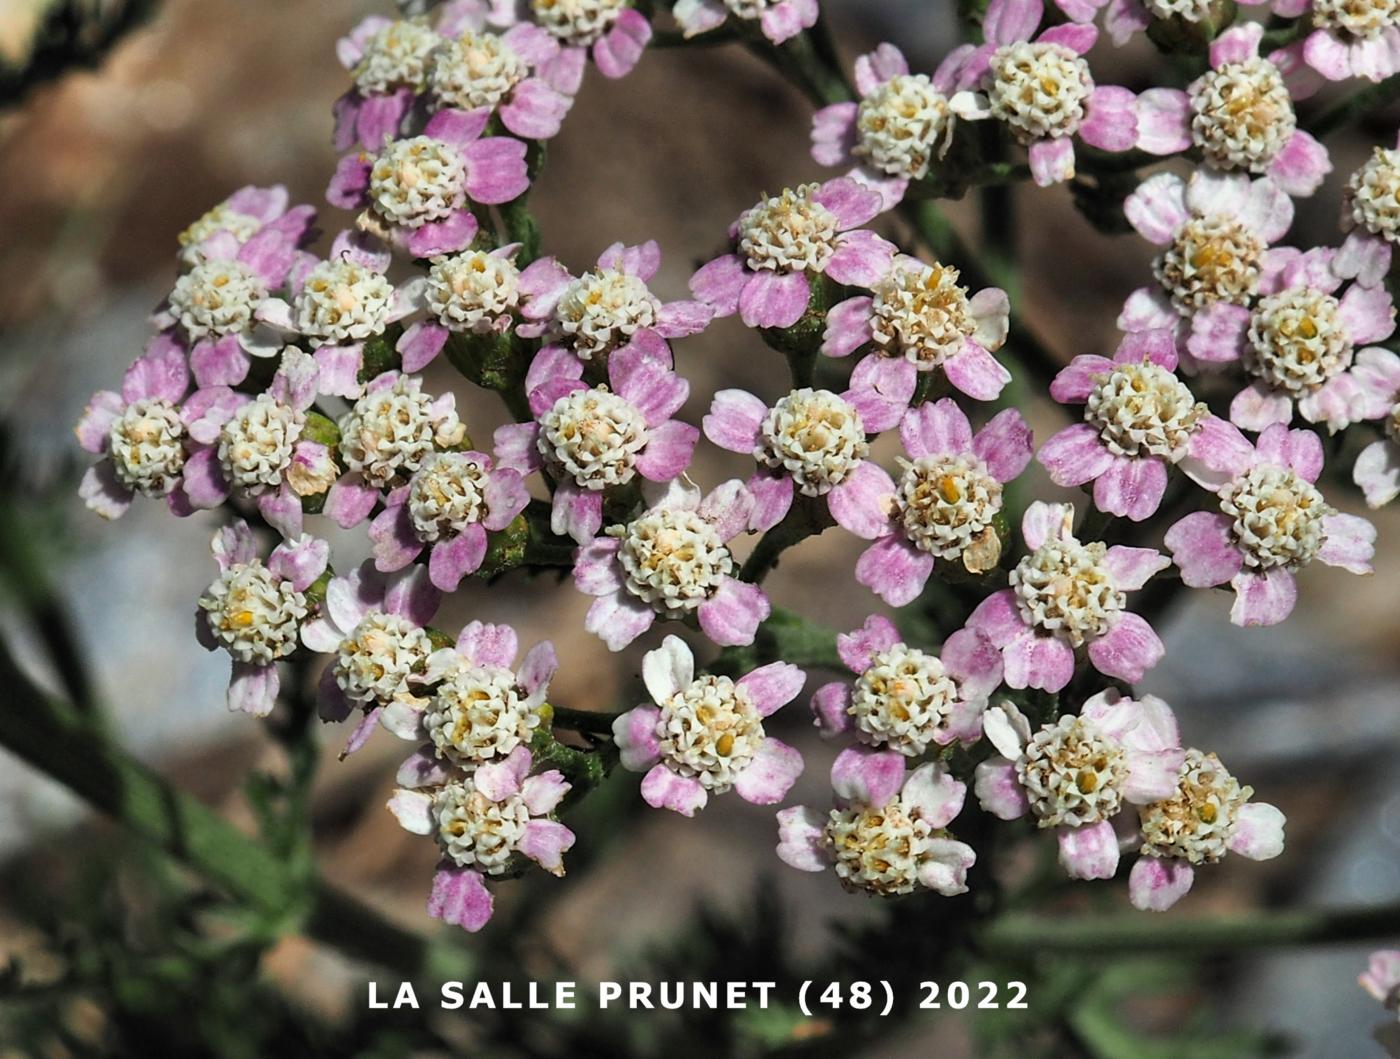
482 709
593 439
1382 977
1043 90
475 292
887 834
1261 138
1371 219
704 735
487 824
417 192
1066 595
780 20
672 561
339 303
1377 470
810 441
606 308
255 611
237 260
920 318
945 505
374 625
1139 419
904 698
1299 342
785 242
253 447
903 124
448 506
1208 815
1272 521
385 438
611 31
142 434
1075 774
1347 39
1215 232
390 61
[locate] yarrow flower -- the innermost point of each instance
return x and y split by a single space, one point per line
1239 114
255 610
1371 219
597 439
903 124
780 20
671 561
1299 342
481 709
904 698
1208 815
449 505
389 61
1067 595
945 506
921 319
606 308
486 824
374 625
786 243
250 213
809 442
613 32
1042 90
704 734
1382 977
385 438
1272 521
887 834
1215 231
1076 773
1139 420
1349 38
416 193
1377 470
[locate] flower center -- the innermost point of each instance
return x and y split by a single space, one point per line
1243 115
217 298
603 309
255 445
578 22
388 434
343 301
1297 340
1063 587
947 503
254 615
1186 10
475 832
375 661
750 9
790 232
1358 19
1039 89
1072 773
709 731
478 714
1211 259
219 219
673 559
593 436
397 56
416 181
816 437
903 699
473 290
447 495
877 850
476 70
921 314
1196 823
146 444
1373 194
902 125
1144 410
1277 517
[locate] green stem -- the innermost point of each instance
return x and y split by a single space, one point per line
595 721
807 517
786 637
1354 107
